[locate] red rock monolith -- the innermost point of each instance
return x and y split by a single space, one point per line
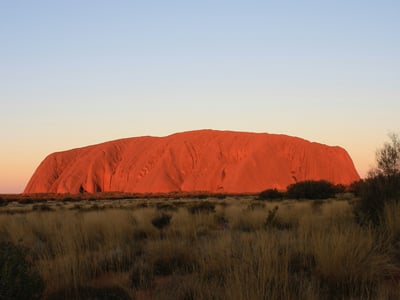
203 160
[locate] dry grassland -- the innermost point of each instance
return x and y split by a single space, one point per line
233 248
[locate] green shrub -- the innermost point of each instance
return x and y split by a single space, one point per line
311 189
18 280
271 194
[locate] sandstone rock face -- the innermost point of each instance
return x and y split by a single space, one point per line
203 160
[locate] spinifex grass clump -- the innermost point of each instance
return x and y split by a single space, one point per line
18 278
161 221
142 274
273 221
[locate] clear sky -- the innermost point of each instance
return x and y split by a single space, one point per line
74 73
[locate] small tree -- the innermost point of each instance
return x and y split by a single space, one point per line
271 194
388 158
382 184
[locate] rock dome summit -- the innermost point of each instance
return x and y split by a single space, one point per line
203 160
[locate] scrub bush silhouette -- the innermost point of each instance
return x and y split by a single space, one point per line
382 185
161 221
271 194
311 189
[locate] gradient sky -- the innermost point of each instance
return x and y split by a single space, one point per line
74 73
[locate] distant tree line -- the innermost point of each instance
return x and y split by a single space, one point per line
308 189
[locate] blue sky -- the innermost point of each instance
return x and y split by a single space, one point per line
81 72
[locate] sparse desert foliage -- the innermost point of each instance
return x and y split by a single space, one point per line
271 194
240 249
388 157
311 189
382 187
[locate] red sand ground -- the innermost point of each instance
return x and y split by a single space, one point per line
204 160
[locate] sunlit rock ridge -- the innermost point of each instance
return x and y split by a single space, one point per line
202 160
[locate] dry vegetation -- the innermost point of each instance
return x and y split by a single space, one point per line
233 248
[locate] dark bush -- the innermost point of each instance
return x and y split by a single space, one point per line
140 234
382 185
340 188
375 192
161 221
356 187
18 279
222 221
179 262
301 263
3 202
69 199
311 189
202 207
26 201
271 194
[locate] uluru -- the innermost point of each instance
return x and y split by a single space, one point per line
202 160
